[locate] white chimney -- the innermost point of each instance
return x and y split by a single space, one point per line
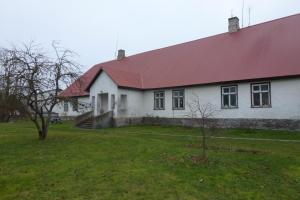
233 24
121 54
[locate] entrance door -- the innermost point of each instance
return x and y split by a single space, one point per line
102 104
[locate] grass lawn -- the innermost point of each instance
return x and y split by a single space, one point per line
146 162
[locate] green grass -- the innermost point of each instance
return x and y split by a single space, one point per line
145 162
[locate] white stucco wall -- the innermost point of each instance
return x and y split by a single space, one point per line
135 103
59 108
285 100
103 84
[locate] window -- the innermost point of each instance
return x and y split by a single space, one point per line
178 99
229 96
66 106
93 102
123 102
112 102
159 100
75 104
260 95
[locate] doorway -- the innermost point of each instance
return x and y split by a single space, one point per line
102 104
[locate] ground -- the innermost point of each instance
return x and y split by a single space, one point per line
146 162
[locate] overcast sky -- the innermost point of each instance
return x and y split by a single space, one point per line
91 27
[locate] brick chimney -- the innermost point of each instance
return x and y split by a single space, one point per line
121 54
233 24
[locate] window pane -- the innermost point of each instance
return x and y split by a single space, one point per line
161 94
265 98
256 88
256 99
233 89
225 90
176 103
233 100
265 87
161 105
156 103
181 103
112 103
226 100
66 106
181 92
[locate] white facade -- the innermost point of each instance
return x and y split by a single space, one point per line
284 95
103 86
285 101
69 111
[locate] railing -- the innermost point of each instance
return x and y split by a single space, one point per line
81 118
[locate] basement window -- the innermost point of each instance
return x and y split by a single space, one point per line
178 99
261 95
159 100
229 96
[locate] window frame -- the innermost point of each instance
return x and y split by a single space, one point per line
112 101
164 99
66 106
237 96
75 105
260 92
183 97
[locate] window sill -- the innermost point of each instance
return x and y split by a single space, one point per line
178 108
158 109
261 106
229 108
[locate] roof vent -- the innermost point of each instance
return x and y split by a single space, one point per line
121 54
233 24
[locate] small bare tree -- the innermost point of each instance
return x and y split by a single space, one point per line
201 112
40 79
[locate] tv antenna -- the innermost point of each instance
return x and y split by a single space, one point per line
117 45
243 13
249 13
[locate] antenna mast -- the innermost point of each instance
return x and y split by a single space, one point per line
117 45
249 10
243 13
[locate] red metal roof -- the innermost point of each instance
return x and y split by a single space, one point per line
266 50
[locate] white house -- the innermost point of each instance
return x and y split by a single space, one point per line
251 76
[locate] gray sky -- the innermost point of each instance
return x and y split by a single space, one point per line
91 27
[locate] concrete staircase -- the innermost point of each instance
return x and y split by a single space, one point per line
87 124
88 121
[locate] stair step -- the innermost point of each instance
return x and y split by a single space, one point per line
85 127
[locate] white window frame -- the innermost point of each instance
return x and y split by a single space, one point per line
260 91
113 102
176 95
161 99
66 106
75 105
229 93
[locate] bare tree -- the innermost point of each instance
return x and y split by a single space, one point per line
40 78
201 112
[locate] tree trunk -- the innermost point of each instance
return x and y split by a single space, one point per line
203 143
43 132
41 135
203 140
